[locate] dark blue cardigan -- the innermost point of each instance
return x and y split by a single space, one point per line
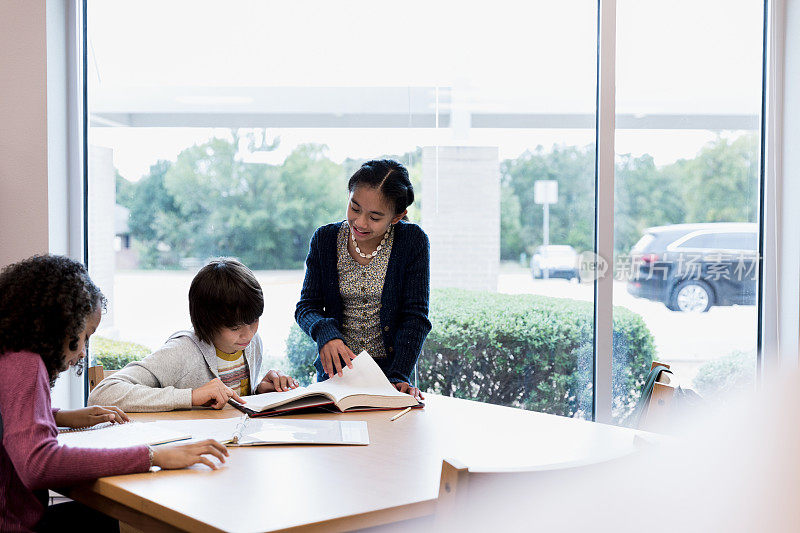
404 301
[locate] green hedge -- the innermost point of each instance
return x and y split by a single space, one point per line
730 375
114 355
301 352
528 351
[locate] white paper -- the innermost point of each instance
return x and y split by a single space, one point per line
121 435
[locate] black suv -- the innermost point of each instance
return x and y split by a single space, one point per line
691 267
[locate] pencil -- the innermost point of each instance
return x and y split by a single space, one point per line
398 415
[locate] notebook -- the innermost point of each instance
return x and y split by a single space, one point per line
246 431
109 435
363 387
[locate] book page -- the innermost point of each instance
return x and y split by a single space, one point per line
259 431
121 436
295 431
364 385
219 429
270 400
365 379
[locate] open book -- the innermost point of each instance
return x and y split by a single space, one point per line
246 431
363 387
109 435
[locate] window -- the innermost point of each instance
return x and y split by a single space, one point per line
235 134
688 115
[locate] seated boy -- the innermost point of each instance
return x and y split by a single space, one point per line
219 360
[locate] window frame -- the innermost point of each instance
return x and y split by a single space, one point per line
777 318
66 146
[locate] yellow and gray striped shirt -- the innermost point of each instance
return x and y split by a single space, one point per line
233 372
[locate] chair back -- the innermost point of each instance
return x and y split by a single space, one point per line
503 501
97 374
657 415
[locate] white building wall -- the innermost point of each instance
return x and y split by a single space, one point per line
102 197
461 215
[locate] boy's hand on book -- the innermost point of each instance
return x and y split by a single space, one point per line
90 416
332 354
275 380
408 389
214 394
183 455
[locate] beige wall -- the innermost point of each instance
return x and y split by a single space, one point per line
23 130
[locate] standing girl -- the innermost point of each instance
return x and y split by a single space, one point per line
367 279
48 310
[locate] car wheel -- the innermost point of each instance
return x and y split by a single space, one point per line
691 296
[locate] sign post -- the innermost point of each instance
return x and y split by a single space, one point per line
545 192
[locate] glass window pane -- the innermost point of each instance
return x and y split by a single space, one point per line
233 127
687 188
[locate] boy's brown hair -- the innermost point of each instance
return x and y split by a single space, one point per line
224 293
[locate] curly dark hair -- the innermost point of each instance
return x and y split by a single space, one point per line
44 301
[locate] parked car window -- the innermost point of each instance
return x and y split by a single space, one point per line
701 241
722 241
738 241
642 243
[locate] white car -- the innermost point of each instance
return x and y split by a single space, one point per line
555 261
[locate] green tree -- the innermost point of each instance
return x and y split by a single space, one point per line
155 220
412 160
643 197
262 214
207 183
210 202
125 190
721 183
511 232
571 219
311 191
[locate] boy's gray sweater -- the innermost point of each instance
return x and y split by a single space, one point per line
164 380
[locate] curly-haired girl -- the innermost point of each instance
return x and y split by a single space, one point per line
49 307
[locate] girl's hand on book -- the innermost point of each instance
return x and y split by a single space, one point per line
408 389
90 416
332 354
183 455
214 394
275 380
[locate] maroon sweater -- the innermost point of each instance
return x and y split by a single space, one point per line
31 460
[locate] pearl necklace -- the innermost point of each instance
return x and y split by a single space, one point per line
378 249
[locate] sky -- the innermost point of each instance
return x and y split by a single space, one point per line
679 57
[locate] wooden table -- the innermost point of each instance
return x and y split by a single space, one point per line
337 488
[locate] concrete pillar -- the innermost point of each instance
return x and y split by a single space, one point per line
102 198
461 215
